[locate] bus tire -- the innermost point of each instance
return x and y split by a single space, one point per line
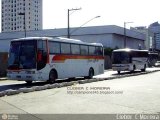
144 69
134 68
90 73
118 72
28 82
52 76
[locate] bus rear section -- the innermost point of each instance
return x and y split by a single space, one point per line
129 60
48 59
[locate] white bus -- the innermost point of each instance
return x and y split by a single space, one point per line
48 59
152 58
129 60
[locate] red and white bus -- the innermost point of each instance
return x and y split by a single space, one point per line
48 59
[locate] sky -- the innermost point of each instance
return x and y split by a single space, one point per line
112 12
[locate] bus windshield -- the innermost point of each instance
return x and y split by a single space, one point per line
120 58
22 55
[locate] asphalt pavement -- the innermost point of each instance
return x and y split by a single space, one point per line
132 97
136 94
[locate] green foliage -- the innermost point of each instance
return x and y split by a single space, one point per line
108 50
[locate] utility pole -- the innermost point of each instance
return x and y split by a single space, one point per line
23 14
125 40
68 16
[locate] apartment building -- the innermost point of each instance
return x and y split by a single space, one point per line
20 15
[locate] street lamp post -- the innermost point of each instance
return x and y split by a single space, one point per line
68 14
125 41
23 14
84 24
68 30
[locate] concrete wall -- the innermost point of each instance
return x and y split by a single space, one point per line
105 39
108 40
111 40
132 43
118 41
110 36
4 45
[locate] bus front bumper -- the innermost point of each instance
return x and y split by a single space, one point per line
22 76
121 67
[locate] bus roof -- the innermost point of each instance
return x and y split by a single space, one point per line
129 50
58 39
32 38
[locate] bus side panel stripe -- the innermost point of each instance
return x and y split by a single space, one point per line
62 58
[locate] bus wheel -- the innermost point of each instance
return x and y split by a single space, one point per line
28 82
52 76
134 68
144 69
118 72
91 73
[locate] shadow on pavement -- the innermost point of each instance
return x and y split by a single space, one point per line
125 73
25 85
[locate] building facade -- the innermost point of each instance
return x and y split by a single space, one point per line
155 28
149 42
20 15
110 36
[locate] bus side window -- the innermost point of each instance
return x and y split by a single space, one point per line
130 58
75 49
54 48
84 49
65 48
99 51
92 50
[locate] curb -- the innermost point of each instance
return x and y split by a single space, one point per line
65 84
2 79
